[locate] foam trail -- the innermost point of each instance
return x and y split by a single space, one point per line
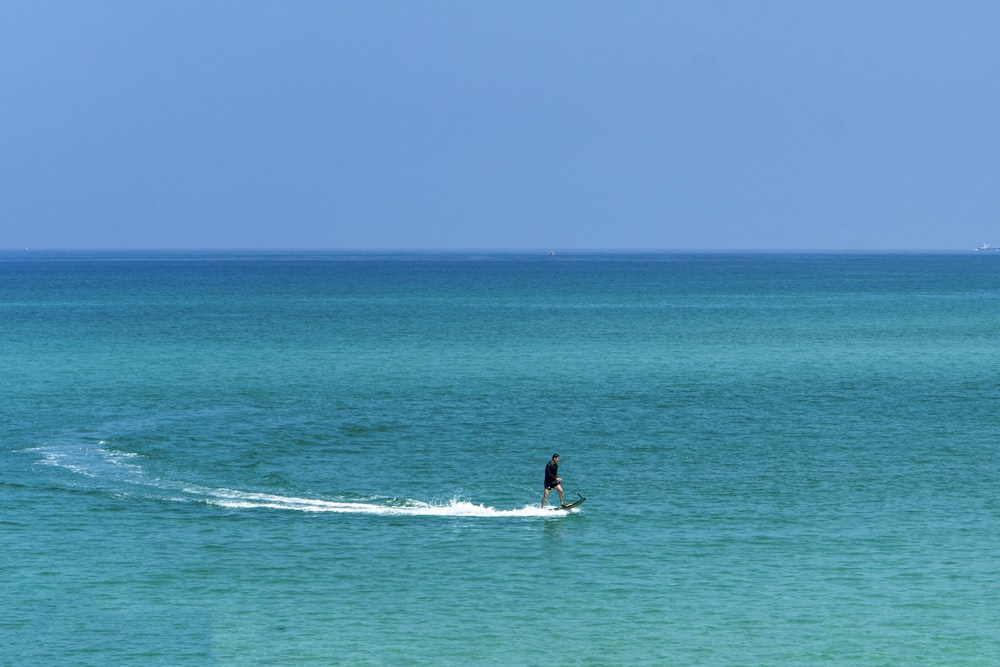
93 461
105 465
248 500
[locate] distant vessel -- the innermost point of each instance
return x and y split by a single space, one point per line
985 246
552 253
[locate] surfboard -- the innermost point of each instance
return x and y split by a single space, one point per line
569 506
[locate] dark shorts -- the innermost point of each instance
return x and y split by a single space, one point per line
548 487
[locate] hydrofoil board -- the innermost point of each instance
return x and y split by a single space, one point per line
569 506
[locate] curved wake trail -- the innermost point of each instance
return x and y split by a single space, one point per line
105 465
250 500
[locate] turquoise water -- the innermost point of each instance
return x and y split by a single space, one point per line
309 458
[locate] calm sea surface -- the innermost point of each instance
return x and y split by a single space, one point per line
322 459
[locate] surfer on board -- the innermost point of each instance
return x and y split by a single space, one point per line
552 479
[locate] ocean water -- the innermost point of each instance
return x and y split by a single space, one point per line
337 458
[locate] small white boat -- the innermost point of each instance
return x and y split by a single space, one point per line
985 246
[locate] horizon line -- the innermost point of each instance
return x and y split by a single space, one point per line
538 249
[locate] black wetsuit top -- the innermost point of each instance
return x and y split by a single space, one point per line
551 474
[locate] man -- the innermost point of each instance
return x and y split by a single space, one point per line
552 479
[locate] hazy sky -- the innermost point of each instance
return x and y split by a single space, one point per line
517 124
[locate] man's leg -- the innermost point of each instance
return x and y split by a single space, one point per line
559 489
544 496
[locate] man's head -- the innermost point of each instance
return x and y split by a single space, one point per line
555 457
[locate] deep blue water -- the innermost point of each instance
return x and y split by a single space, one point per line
333 458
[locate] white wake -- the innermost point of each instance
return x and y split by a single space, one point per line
100 463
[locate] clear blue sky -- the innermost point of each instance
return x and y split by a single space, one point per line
542 124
